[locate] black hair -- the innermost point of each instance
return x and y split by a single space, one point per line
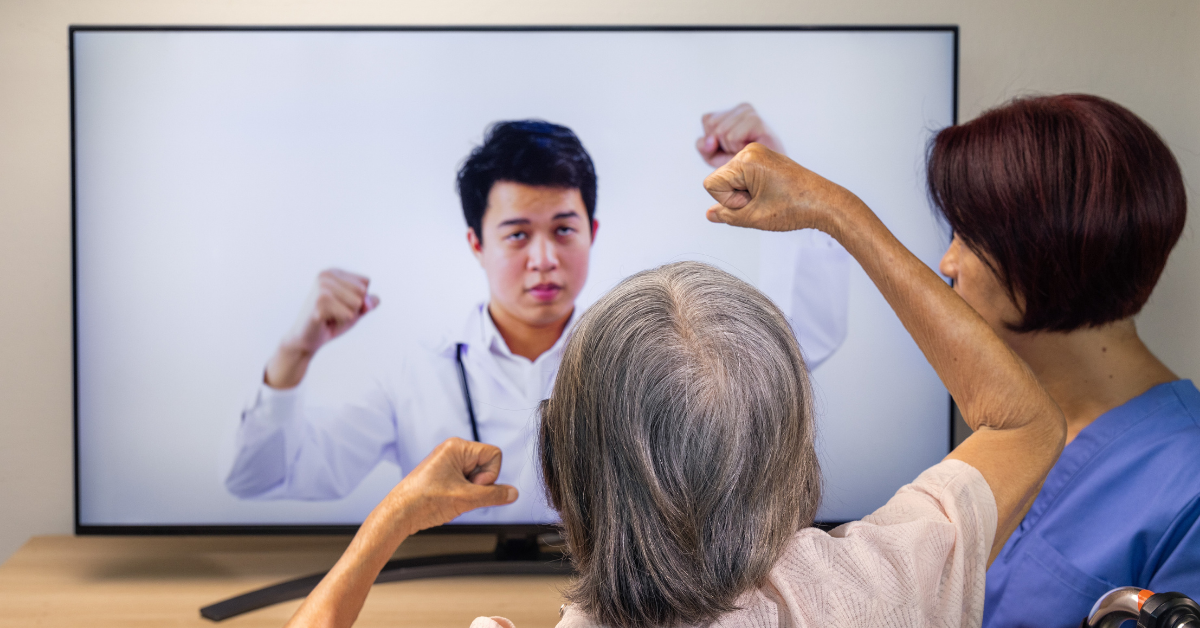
530 152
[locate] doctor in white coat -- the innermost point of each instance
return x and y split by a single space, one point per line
528 196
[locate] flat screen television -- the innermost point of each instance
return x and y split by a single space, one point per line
218 171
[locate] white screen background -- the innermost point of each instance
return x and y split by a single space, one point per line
218 172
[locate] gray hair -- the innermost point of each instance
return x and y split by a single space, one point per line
677 446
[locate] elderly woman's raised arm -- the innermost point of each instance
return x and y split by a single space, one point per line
1019 431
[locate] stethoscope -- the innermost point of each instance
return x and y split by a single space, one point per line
466 390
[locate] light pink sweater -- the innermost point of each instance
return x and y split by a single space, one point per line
917 561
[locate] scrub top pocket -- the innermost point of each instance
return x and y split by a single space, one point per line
1028 602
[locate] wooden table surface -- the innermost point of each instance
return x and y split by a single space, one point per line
163 581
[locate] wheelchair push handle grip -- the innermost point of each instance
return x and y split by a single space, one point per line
1151 610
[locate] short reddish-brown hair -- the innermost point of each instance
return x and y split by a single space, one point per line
1071 200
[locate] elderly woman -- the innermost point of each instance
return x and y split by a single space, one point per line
1064 210
678 449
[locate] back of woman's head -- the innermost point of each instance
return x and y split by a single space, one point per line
1072 200
678 446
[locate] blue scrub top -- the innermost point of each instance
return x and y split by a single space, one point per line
1119 508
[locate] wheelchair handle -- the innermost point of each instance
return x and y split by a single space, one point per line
1150 609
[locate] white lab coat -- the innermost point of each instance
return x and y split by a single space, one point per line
295 450
290 449
807 274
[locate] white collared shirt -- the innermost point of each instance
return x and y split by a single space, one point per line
290 449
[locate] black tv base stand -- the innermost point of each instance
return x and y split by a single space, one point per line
519 555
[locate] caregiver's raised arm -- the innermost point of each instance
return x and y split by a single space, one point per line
1019 429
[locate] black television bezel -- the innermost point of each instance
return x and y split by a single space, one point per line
519 529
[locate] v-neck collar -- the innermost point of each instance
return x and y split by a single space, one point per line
1097 437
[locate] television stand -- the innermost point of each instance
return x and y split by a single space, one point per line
514 555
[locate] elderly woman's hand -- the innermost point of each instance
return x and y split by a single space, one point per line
456 477
762 189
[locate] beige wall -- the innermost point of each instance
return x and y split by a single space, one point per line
1144 54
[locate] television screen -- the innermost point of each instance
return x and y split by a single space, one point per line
304 257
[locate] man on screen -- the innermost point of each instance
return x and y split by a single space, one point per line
528 195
